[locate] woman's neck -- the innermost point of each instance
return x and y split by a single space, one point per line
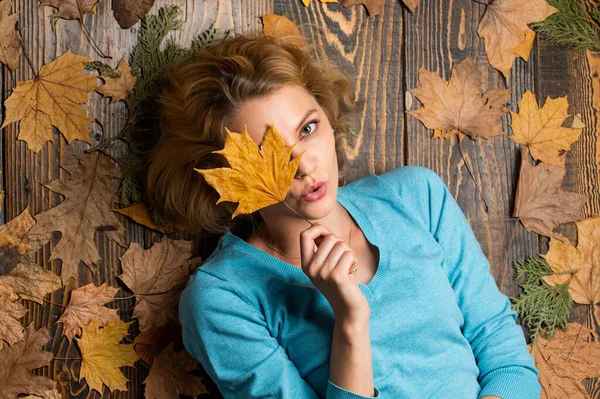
282 235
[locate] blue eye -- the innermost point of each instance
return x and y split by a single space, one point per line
308 129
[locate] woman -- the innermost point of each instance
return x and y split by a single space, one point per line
386 294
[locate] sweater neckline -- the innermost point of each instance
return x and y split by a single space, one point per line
363 223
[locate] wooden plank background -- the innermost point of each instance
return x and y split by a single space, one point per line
382 55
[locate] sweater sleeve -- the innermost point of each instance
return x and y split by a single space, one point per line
507 370
228 335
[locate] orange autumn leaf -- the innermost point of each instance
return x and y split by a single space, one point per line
52 99
9 37
103 355
375 7
139 213
307 2
85 305
565 360
540 203
541 129
277 26
580 265
118 88
457 106
257 177
504 26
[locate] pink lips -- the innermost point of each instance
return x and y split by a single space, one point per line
311 196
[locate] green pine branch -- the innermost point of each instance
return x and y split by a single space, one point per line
576 24
541 307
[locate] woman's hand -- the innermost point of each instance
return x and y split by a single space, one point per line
330 270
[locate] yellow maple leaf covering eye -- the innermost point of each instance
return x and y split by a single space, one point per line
257 177
103 355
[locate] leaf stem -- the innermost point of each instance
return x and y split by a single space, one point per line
25 53
291 209
67 358
472 175
94 45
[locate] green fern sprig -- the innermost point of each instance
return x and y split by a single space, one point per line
541 307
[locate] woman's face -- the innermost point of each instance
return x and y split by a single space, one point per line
300 120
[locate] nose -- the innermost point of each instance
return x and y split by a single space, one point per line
306 165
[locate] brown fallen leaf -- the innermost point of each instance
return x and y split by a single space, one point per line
9 38
129 12
504 26
540 202
118 88
86 304
541 129
102 355
11 329
52 98
153 340
20 275
17 362
71 9
375 7
169 376
257 177
565 360
89 193
139 213
278 26
581 265
156 276
51 394
457 106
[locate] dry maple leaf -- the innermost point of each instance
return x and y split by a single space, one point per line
375 7
139 213
580 265
129 12
9 38
11 329
541 129
156 276
277 26
257 177
102 355
118 88
52 98
457 106
169 376
504 27
89 193
71 9
86 304
21 277
17 361
50 394
540 203
153 340
565 360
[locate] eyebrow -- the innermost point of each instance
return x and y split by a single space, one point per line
305 117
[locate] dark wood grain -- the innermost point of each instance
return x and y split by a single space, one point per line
382 55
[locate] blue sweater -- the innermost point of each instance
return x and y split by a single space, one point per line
439 326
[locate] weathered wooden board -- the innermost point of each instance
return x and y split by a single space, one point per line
382 55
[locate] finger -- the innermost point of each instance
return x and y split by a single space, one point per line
344 268
307 241
333 257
